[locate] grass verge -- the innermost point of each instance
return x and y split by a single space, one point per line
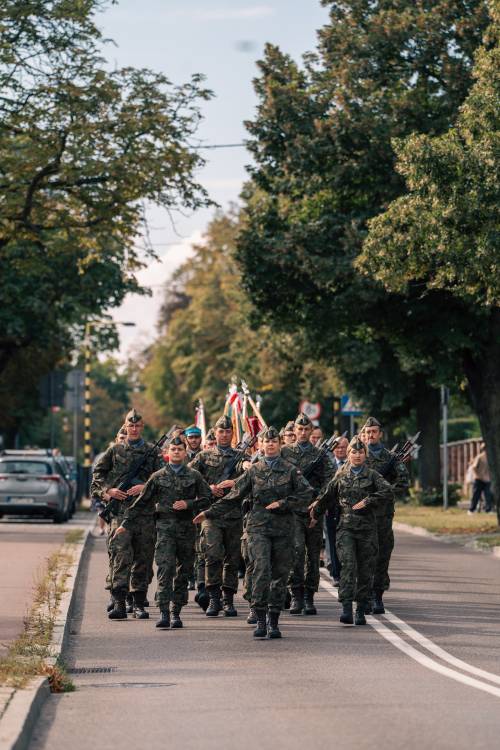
493 540
26 656
451 521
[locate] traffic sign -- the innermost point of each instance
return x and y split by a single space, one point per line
349 407
313 411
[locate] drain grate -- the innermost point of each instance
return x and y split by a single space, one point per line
128 685
91 670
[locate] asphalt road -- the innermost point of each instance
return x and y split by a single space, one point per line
323 685
24 548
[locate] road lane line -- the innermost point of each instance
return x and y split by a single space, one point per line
417 656
426 643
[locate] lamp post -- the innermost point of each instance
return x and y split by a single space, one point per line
87 419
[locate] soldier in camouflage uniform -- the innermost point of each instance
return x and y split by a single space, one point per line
174 494
398 478
304 578
221 538
276 490
131 554
355 492
193 439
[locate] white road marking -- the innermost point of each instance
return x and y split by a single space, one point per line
422 659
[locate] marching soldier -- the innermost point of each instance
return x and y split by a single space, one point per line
377 458
304 578
221 537
355 491
131 554
289 436
276 489
210 440
174 494
193 438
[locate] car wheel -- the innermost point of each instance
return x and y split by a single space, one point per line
60 516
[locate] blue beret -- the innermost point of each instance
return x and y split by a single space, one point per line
192 430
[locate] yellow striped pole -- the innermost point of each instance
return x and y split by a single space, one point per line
87 419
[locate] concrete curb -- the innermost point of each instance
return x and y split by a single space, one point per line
23 709
446 539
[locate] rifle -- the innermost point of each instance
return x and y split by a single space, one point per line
113 505
327 446
242 447
399 455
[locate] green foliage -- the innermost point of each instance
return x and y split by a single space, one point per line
207 340
433 496
82 148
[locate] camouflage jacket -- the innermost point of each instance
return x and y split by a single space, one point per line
211 464
302 459
264 484
191 454
166 486
398 478
346 489
114 464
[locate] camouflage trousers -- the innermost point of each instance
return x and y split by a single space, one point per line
221 547
308 542
271 558
131 555
385 535
199 560
174 557
247 581
357 551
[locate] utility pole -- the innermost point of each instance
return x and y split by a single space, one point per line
87 419
444 405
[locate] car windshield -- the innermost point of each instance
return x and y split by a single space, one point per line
24 467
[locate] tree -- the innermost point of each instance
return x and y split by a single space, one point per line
443 234
322 143
83 149
207 339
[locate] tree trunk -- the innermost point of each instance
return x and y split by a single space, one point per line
483 377
428 403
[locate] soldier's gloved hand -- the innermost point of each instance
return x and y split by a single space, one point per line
180 505
199 518
117 494
362 504
135 490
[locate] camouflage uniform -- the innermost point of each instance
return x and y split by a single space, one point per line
220 538
308 541
399 480
175 532
356 530
131 554
270 533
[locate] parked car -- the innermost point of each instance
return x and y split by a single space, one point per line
69 467
33 483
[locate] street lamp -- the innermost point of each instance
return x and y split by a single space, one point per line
87 421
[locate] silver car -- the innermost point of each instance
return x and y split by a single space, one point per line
33 483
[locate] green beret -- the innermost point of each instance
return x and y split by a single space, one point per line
224 423
270 433
303 420
133 417
357 444
371 422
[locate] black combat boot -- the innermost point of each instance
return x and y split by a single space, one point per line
164 621
119 611
261 629
175 616
252 616
215 605
139 611
129 600
309 608
288 599
369 605
202 597
297 603
273 630
146 600
378 604
111 604
227 603
360 618
346 617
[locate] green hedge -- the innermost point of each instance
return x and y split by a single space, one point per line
433 496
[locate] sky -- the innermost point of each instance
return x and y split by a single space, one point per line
221 39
